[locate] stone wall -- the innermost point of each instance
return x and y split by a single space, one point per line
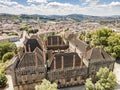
95 66
68 76
29 76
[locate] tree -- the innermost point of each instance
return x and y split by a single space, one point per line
33 31
7 56
6 47
107 38
46 85
100 37
106 80
24 28
89 85
3 80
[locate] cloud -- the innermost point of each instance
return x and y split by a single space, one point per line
37 1
114 4
8 2
110 5
44 7
90 2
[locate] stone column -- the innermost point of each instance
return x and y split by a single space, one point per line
62 62
57 40
81 61
51 40
29 49
36 60
54 63
47 42
44 56
25 48
74 61
75 50
62 42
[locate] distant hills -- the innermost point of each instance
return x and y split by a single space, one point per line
74 17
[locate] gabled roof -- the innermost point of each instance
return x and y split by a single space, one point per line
29 59
98 54
79 44
34 41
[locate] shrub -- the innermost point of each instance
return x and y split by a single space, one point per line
46 85
3 80
7 56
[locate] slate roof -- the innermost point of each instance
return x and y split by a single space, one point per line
98 54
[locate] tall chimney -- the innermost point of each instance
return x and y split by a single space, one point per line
62 59
54 63
29 49
74 61
57 40
51 40
36 60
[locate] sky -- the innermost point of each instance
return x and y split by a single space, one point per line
61 7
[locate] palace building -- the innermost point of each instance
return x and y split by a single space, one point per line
66 61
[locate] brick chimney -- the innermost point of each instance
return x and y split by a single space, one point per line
54 63
74 57
62 62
